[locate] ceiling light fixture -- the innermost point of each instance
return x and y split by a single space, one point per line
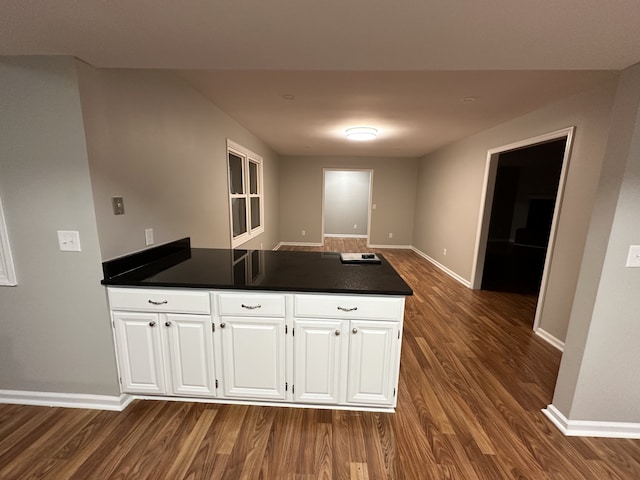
361 133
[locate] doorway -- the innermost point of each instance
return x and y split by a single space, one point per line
524 184
346 203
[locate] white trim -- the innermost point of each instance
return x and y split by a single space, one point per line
247 157
484 215
588 428
298 244
449 272
7 268
70 400
391 247
550 339
343 235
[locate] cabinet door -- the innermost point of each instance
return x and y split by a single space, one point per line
318 347
372 362
139 349
253 357
190 352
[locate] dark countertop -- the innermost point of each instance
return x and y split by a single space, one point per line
179 266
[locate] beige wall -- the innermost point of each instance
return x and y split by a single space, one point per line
599 370
157 142
56 334
450 186
394 188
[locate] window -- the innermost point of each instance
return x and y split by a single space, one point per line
246 201
7 272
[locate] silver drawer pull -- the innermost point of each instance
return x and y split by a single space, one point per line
153 302
251 307
352 309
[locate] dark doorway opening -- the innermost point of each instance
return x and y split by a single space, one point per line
524 200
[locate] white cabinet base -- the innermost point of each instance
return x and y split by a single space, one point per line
259 348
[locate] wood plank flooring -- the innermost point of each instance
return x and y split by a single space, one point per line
472 382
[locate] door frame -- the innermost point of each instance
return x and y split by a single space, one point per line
486 202
370 170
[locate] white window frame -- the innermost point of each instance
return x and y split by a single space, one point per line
247 157
7 270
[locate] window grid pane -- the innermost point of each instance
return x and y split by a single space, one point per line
239 215
255 212
253 177
236 174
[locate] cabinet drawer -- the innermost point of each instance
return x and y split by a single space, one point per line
159 300
242 305
345 306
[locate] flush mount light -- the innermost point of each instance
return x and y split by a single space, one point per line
361 133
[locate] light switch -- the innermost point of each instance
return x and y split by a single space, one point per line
633 260
69 240
118 205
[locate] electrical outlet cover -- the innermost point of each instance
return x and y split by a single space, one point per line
69 240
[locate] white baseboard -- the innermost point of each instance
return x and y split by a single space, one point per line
397 247
587 428
297 244
550 339
451 273
70 400
342 235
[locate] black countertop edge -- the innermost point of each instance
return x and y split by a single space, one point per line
153 259
339 291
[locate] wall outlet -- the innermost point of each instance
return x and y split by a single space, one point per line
148 236
390 235
69 240
355 226
304 233
444 252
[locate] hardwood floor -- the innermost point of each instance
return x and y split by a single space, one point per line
473 379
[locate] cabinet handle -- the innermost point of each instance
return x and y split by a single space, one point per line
344 309
153 302
251 307
152 324
355 330
222 325
167 324
337 332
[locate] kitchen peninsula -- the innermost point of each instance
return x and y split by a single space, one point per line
259 327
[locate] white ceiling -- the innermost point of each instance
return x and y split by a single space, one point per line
400 65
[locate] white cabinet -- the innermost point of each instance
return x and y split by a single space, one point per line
190 354
279 348
372 362
347 360
163 353
252 333
253 357
318 350
139 351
